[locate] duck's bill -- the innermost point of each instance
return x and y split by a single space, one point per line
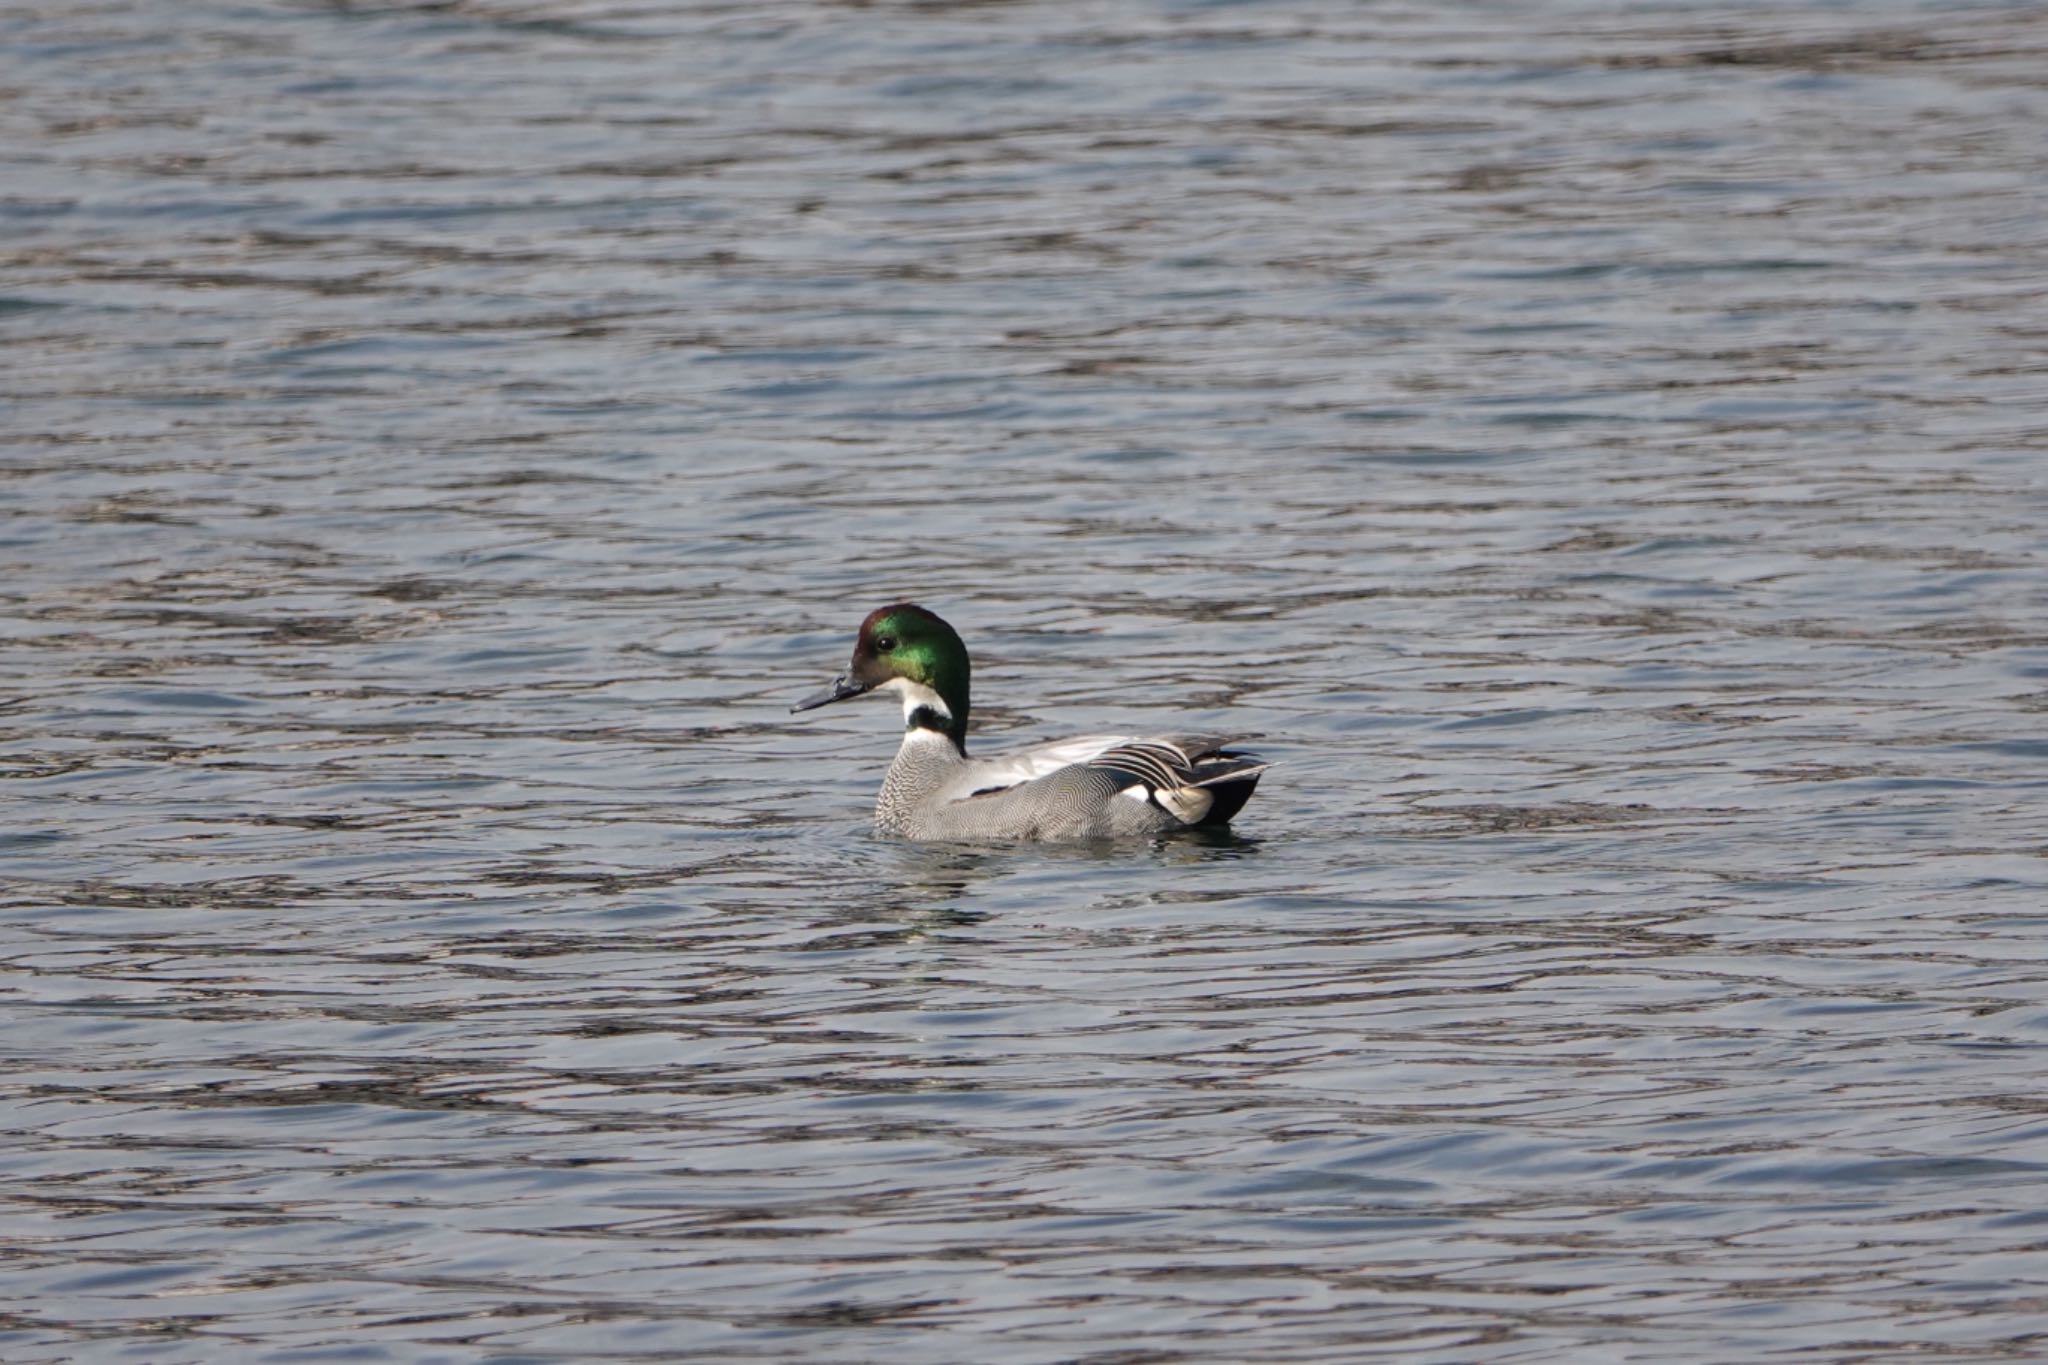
840 689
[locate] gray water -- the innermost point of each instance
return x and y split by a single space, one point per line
1601 449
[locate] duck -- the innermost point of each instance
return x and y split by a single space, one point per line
1086 788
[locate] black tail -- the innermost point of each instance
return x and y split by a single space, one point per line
1231 778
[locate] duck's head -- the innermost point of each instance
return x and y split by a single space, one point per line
907 650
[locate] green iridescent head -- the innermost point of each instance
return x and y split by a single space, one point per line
905 649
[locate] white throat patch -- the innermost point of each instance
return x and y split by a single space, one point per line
915 695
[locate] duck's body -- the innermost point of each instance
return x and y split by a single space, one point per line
1095 787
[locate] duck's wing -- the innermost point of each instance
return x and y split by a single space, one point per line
986 775
1198 780
1184 760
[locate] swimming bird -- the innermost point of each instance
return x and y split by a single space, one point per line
1094 787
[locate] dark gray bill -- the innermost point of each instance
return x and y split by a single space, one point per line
842 687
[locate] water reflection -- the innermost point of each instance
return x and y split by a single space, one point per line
929 880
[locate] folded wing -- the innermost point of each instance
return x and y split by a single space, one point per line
1197 780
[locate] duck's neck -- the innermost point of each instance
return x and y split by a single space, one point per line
926 712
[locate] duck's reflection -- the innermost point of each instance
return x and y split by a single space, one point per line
936 884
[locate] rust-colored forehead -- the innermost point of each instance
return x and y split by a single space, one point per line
880 614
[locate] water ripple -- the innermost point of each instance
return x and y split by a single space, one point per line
1599 452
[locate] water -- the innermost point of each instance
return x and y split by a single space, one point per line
1601 449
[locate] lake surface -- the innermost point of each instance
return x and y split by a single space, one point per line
1600 448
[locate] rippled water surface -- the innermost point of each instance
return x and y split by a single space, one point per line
1600 448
